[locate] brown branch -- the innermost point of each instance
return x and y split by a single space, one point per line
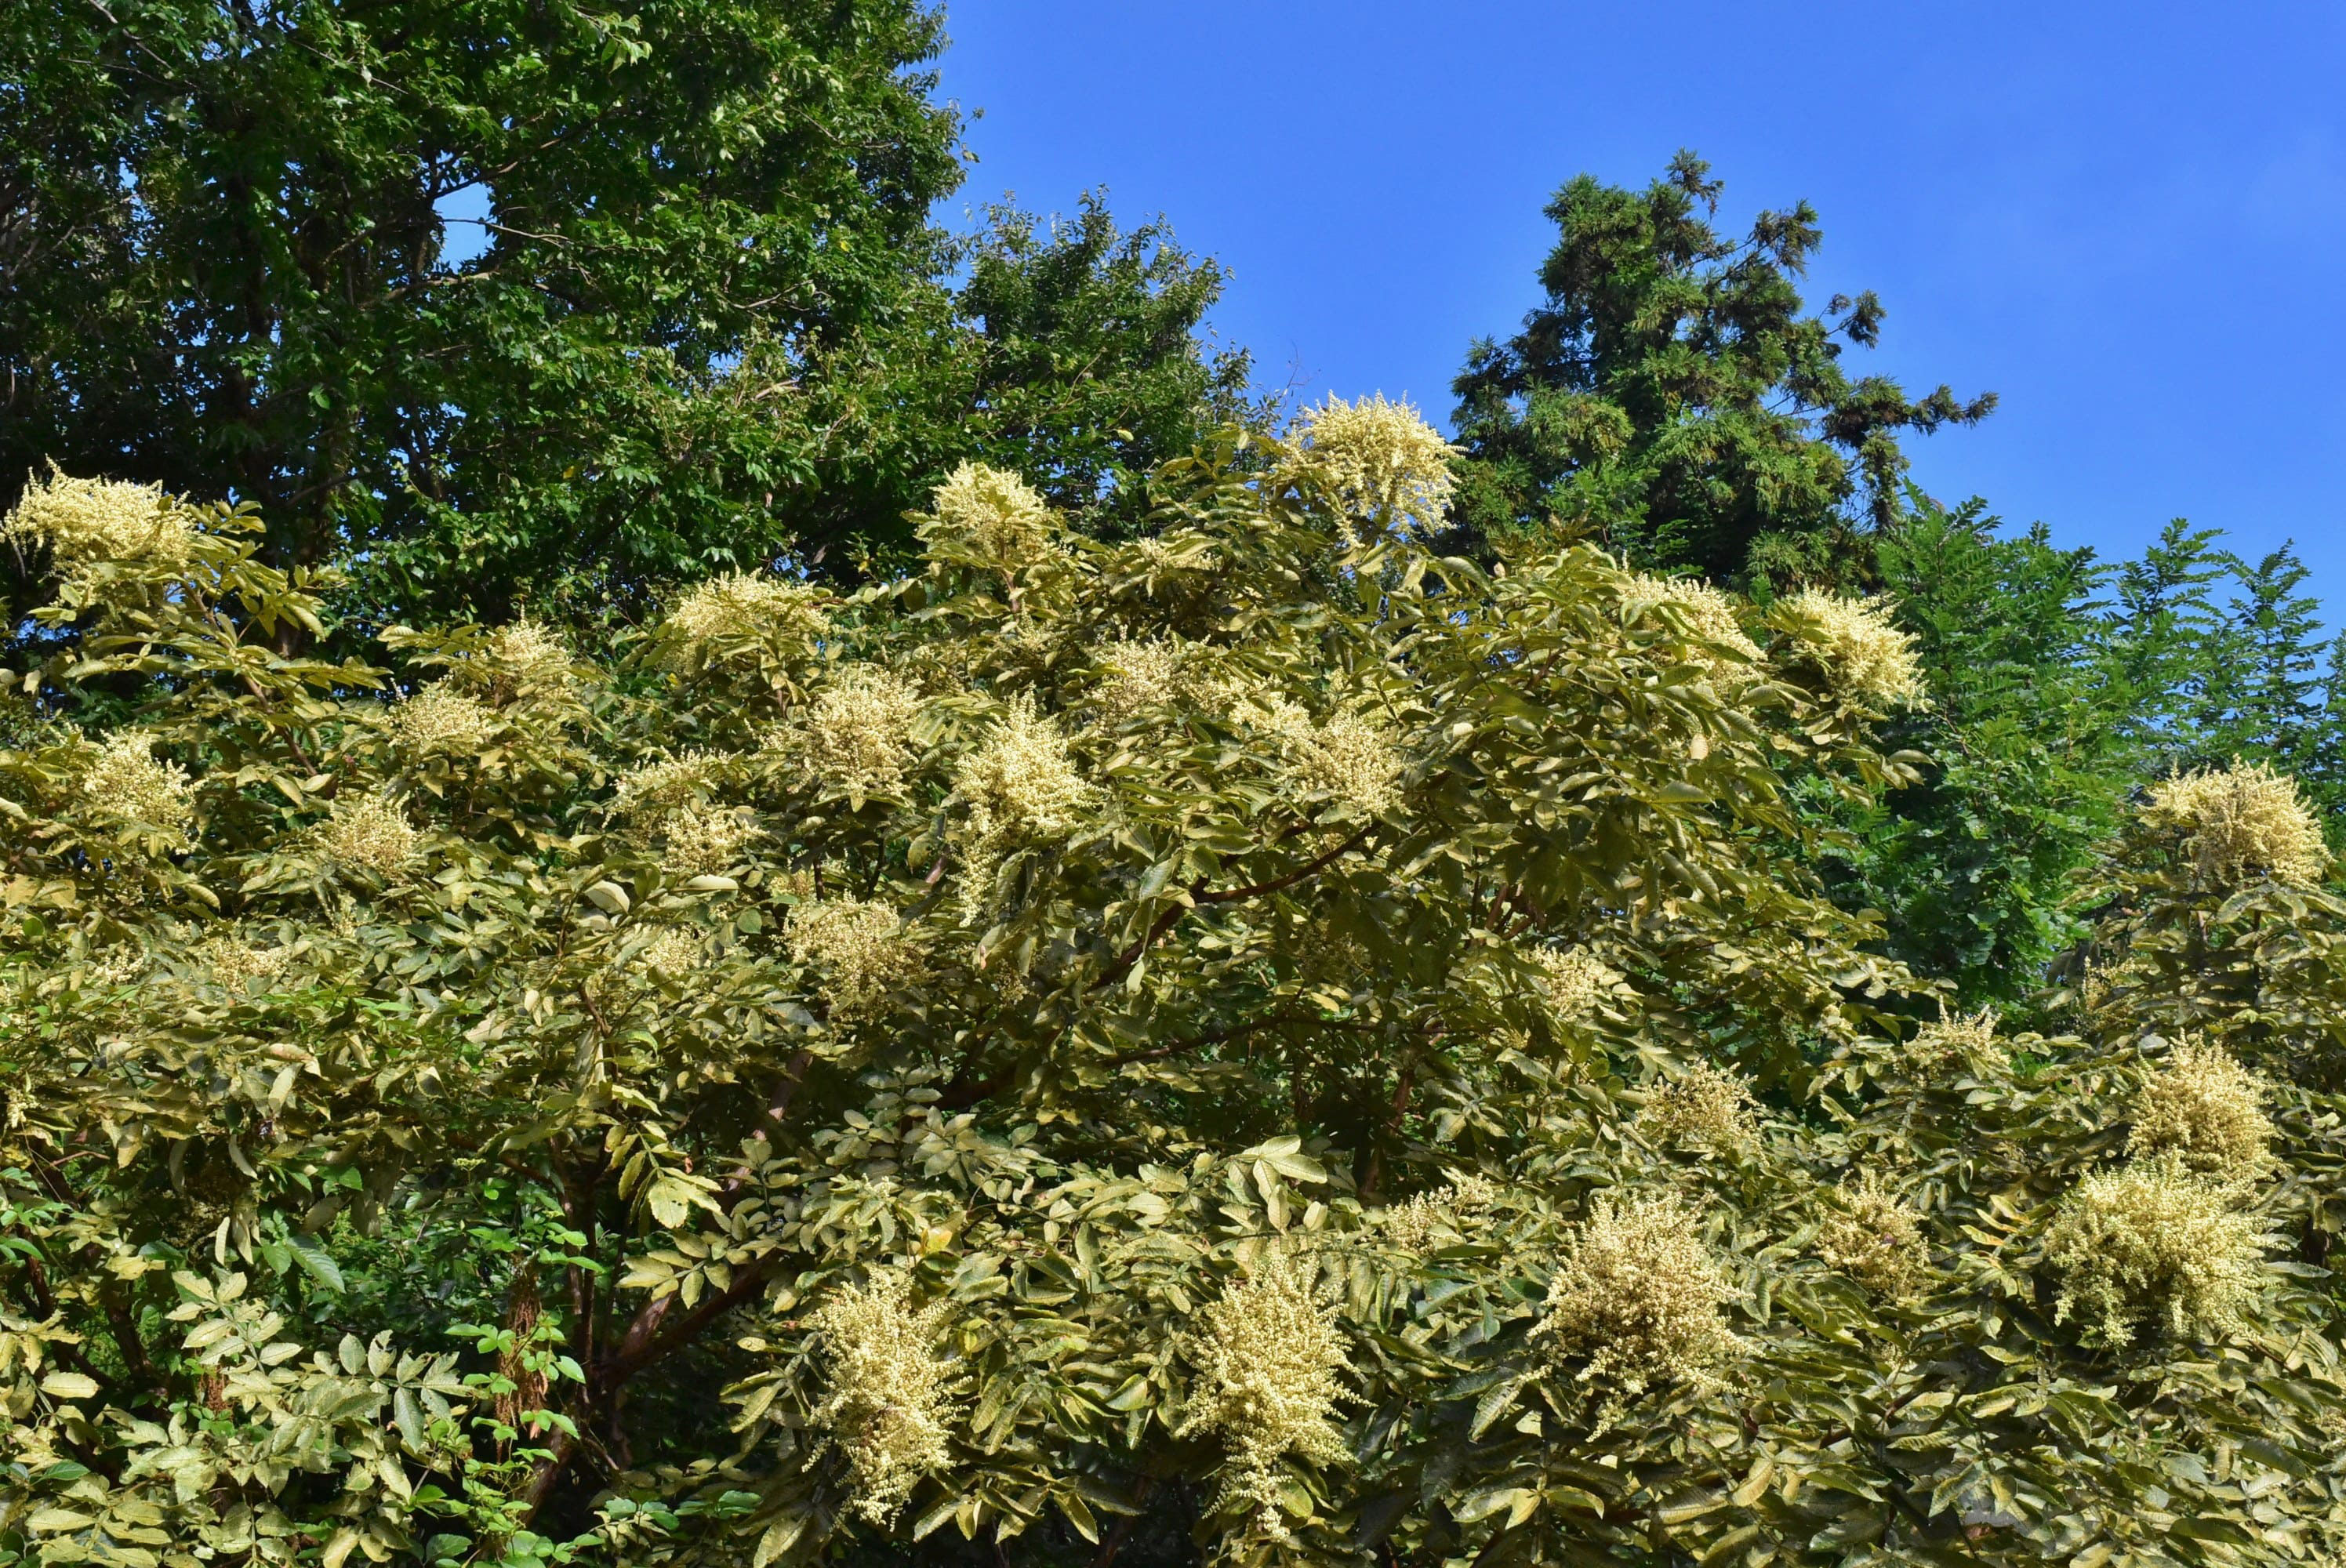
1197 893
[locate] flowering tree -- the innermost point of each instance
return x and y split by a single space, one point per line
1258 1041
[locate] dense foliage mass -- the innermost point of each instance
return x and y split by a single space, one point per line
506 303
773 890
1259 1039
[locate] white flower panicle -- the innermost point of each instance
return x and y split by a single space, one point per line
370 833
1020 782
1863 653
668 784
1387 467
85 521
2154 1239
746 607
1269 1357
994 515
704 841
1574 982
234 963
440 720
1345 757
1447 1211
672 953
1636 1301
2203 1110
1706 1107
2241 821
1708 614
888 1405
862 950
1874 1239
1143 677
1951 1037
856 737
127 784
527 655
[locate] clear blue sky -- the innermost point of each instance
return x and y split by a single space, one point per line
2130 221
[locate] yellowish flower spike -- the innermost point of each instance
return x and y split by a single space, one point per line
994 515
1269 1357
1951 1037
2240 822
1388 468
84 521
125 784
1707 613
1574 982
888 1407
1861 651
856 737
2154 1239
1706 1107
2205 1111
441 721
1345 757
1874 1239
369 833
1447 1211
1020 782
861 949
1635 1304
745 606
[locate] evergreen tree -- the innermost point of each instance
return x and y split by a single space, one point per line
1669 394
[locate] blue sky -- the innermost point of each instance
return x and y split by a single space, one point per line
2129 221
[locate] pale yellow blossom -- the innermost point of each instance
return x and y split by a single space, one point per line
1705 1106
1636 1303
2203 1110
85 521
888 1404
368 833
856 737
2154 1240
127 784
1447 1211
1874 1239
1387 466
1707 613
1269 1359
993 515
440 720
2240 822
1574 982
1020 782
861 949
747 607
1859 648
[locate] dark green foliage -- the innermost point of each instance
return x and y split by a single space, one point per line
710 321
1669 394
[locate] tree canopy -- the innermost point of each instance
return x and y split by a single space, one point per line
505 304
1668 395
1257 1034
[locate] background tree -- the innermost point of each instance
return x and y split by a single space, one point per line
1669 396
506 302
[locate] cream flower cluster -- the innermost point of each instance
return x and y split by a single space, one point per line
1707 613
1951 1037
440 720
127 784
1863 653
1143 677
1387 465
233 961
994 516
2205 1111
84 521
2153 1238
857 736
749 607
888 1407
672 953
1706 1107
1344 758
2240 821
527 655
1872 1237
1447 1211
1021 782
368 833
1636 1301
668 800
1574 982
1269 1357
861 949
